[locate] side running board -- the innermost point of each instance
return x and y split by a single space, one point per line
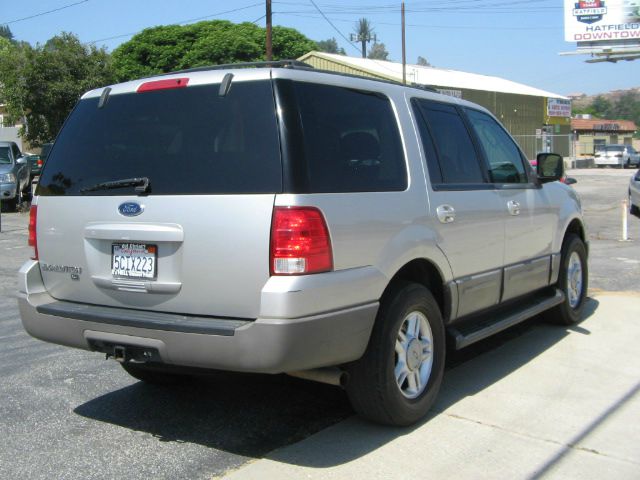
466 335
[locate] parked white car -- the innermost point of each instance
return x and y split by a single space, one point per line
617 156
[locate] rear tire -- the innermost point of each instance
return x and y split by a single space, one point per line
398 378
151 375
573 282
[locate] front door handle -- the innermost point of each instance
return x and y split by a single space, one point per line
446 213
513 207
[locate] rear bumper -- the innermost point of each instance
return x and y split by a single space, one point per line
609 161
266 345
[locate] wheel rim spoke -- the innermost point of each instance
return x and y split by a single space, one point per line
574 280
401 373
426 348
413 354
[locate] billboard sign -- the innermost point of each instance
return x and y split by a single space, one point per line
611 21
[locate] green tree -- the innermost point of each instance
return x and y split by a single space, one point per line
364 34
5 32
330 46
601 107
423 62
13 61
626 107
378 52
55 75
174 47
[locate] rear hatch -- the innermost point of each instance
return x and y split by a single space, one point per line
158 195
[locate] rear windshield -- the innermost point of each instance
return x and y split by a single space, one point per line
185 141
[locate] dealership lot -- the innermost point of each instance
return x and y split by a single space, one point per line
538 400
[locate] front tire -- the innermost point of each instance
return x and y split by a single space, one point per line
398 378
13 205
572 281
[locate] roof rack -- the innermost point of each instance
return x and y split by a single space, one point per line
298 65
295 64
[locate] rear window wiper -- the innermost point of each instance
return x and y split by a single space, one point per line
142 185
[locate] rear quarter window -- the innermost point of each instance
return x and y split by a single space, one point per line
186 141
351 141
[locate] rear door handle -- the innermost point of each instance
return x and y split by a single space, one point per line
446 213
513 207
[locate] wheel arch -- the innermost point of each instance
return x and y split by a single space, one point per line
576 227
426 273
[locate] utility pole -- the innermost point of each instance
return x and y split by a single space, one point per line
269 44
404 56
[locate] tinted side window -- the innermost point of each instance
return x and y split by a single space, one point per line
457 157
505 161
16 152
186 141
350 139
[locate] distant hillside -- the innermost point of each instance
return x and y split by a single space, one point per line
584 101
615 105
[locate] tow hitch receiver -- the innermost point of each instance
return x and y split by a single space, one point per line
119 354
126 353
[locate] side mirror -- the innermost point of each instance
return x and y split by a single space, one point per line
550 167
21 160
570 181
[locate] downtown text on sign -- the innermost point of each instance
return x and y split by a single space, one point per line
612 21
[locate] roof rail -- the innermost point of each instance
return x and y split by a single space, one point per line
295 64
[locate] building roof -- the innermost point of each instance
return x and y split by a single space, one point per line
600 124
433 76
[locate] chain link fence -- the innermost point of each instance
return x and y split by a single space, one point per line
534 144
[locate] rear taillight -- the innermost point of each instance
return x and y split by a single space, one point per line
300 242
40 163
33 239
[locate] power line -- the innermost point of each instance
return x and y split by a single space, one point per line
44 13
334 27
182 22
418 25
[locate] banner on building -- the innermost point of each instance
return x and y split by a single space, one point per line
611 21
558 107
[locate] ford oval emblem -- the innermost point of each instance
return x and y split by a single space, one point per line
130 209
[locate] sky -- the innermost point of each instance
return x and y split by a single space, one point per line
519 40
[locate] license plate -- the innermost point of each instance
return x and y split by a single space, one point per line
134 260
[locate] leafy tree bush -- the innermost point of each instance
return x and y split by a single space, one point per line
42 84
174 47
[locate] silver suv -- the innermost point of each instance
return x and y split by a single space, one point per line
276 219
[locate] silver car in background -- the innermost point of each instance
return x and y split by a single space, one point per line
634 194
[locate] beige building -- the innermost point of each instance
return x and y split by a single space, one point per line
590 133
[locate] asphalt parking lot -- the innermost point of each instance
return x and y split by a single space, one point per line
536 401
